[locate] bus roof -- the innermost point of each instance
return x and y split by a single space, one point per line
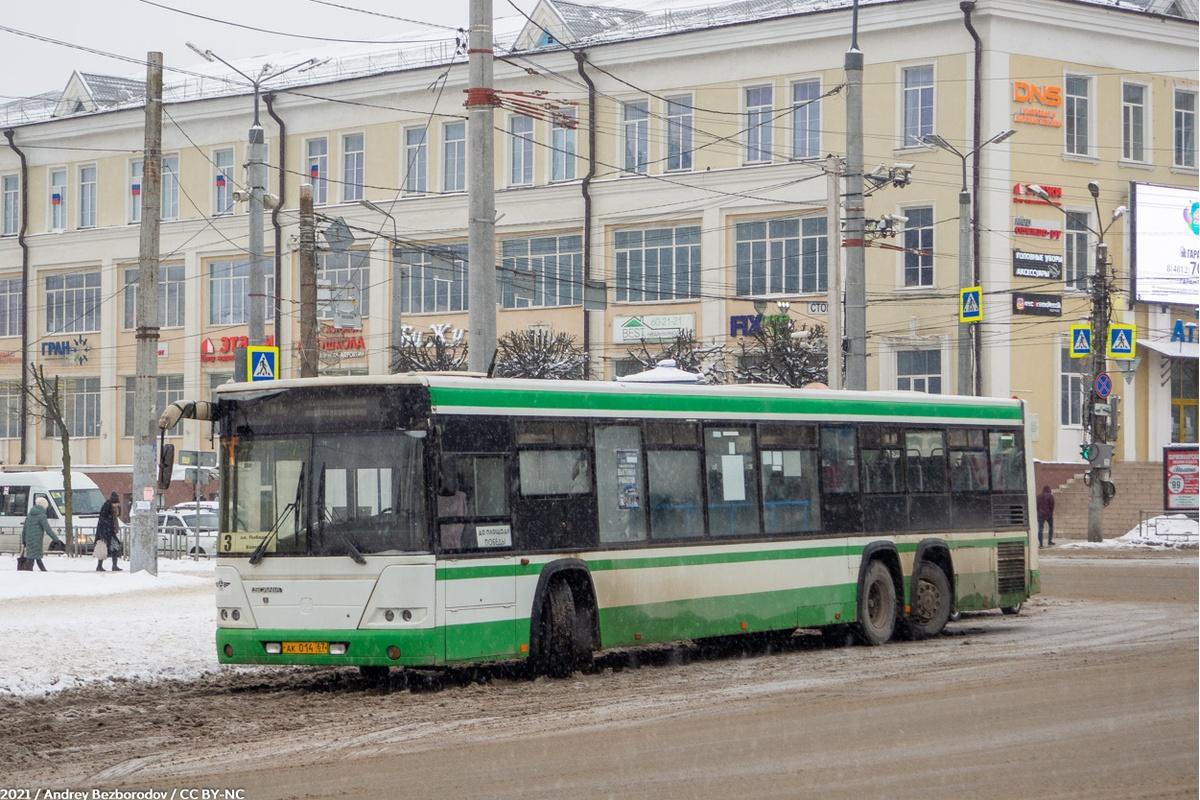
468 394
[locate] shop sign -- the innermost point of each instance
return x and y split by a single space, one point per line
749 324
652 327
341 342
10 356
1041 305
1183 331
74 351
1039 228
1021 194
223 348
1037 103
438 331
1037 265
1181 478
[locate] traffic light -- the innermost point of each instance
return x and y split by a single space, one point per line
1085 451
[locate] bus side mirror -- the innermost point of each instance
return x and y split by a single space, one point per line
166 465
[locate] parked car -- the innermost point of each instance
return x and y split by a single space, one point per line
187 530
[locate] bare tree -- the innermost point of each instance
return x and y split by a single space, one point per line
46 405
780 352
539 355
690 355
429 354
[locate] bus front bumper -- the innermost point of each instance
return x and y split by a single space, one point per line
310 647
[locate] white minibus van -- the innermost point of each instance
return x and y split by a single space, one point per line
19 490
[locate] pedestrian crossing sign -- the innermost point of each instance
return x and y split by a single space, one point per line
970 304
262 363
1122 340
1081 341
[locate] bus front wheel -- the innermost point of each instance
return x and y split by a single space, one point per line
931 605
876 605
564 645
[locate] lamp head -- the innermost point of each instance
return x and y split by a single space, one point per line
1037 191
1094 188
1119 212
1000 137
207 55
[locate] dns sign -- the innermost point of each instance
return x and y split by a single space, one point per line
1024 92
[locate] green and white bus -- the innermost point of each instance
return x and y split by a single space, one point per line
424 520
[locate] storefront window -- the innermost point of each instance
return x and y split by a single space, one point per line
1184 403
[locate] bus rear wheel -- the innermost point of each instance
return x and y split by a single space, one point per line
876 605
931 603
564 642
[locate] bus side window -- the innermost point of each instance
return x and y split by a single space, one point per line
790 497
472 493
970 502
841 506
928 501
1008 461
673 466
555 503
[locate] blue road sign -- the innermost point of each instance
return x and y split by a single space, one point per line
1103 385
1081 341
970 304
1122 340
262 363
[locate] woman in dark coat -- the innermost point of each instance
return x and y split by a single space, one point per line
32 534
106 530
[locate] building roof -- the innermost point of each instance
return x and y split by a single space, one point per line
111 90
586 21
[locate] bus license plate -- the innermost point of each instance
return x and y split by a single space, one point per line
306 648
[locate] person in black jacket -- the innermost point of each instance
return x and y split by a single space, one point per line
106 530
1045 514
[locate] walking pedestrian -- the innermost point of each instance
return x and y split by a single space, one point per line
37 525
1045 512
106 534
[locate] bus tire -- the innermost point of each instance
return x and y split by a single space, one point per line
876 605
1012 610
931 604
560 643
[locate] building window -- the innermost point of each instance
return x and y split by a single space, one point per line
1184 402
416 164
1077 91
1074 377
1133 122
433 279
1185 129
10 187
171 296
679 132
353 157
228 293
806 119
521 151
73 302
317 151
636 122
223 175
759 139
542 271
919 371
455 173
11 318
58 199
658 264
1078 258
348 274
81 408
170 187
781 256
135 190
87 196
918 104
170 390
10 409
562 154
918 247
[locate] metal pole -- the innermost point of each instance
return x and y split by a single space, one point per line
143 551
856 280
1099 428
833 224
966 371
256 175
308 284
481 241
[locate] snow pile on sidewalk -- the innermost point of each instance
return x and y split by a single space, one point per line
73 625
1168 530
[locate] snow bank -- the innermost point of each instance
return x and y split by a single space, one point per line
73 625
1170 530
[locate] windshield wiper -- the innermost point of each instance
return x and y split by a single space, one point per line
354 552
261 549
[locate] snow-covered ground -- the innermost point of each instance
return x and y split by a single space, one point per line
1173 530
72 625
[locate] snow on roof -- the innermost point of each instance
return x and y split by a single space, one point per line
588 23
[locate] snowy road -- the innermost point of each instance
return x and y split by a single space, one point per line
1089 693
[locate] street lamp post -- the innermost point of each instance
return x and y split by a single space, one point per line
397 300
966 382
256 178
1099 451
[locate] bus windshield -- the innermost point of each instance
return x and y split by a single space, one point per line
328 494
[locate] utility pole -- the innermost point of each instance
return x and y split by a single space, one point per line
308 284
143 551
856 278
481 187
1100 453
966 371
833 224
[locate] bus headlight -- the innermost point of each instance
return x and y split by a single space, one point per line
273 648
337 648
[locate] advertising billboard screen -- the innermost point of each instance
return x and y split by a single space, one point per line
1166 244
